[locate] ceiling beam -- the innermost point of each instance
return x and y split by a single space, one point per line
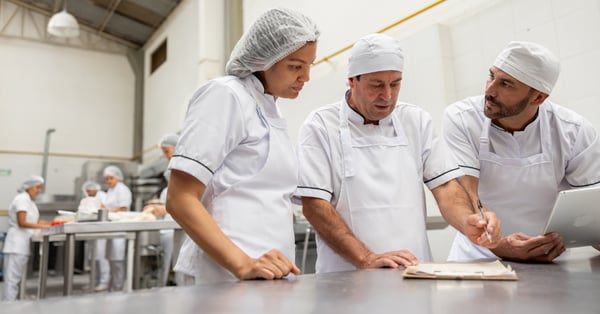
109 14
86 28
135 12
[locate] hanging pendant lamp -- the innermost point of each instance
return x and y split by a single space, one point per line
63 24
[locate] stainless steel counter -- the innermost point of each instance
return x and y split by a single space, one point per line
99 230
570 285
112 226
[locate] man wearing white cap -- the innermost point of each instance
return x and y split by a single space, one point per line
518 150
363 162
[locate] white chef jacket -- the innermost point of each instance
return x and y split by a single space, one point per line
322 172
225 143
17 238
91 204
574 150
117 196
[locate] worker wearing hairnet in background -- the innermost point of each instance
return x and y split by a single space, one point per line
93 196
234 169
157 208
23 218
111 265
518 150
363 163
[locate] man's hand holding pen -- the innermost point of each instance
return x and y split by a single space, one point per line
484 227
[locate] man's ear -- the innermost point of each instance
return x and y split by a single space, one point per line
538 98
351 81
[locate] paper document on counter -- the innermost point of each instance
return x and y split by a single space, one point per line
469 271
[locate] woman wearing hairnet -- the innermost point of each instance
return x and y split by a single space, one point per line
234 169
23 217
118 198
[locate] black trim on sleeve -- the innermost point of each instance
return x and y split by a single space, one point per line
444 173
192 159
585 185
463 166
312 188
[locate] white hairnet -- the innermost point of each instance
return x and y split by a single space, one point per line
531 64
374 53
169 140
276 34
113 171
29 182
90 185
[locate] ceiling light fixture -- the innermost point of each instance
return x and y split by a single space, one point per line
63 24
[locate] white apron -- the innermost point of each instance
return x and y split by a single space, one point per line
118 246
521 191
256 214
381 196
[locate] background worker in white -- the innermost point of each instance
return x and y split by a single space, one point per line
157 208
88 207
118 198
518 149
93 196
23 219
234 168
363 162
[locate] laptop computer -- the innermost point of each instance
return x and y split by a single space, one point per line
576 217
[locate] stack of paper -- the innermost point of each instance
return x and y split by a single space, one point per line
451 270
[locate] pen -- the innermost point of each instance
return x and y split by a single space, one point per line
487 234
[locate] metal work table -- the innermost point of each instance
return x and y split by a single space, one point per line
570 285
98 230
44 252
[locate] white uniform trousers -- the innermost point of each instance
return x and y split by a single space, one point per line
103 267
14 266
166 244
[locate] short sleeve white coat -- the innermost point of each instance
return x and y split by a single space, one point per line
521 198
17 238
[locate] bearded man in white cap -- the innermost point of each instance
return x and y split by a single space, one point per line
363 162
518 150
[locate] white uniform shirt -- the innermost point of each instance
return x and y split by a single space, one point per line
574 151
118 196
220 129
91 204
225 144
576 148
17 238
321 167
373 176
